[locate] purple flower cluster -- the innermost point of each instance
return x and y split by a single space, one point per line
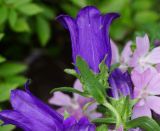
31 114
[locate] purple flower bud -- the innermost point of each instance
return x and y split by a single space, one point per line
120 83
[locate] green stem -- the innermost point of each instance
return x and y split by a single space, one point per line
111 108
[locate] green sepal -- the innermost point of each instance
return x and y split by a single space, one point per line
103 74
146 123
109 120
90 81
102 128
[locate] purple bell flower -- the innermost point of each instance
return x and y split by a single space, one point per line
120 84
31 114
89 33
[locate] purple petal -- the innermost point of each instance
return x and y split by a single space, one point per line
90 35
139 111
61 99
33 108
154 103
120 83
25 122
16 118
69 122
115 53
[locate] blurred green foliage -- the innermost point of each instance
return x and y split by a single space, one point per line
26 16
136 15
32 20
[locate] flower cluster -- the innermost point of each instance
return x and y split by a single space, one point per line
117 92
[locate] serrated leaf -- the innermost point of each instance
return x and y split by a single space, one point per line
3 14
102 128
9 69
91 83
12 18
70 89
21 25
146 123
103 75
104 121
43 30
30 9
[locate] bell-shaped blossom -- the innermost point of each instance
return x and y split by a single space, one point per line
143 58
74 105
123 58
31 114
120 84
146 90
89 33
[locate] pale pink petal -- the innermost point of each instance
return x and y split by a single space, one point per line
126 53
60 99
154 56
139 111
158 67
134 60
154 103
94 115
142 49
154 85
115 53
143 45
77 85
140 80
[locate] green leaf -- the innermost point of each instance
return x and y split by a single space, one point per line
104 120
9 69
102 128
1 36
21 25
30 9
6 127
80 3
12 18
70 89
146 17
5 89
3 14
2 59
48 13
19 80
66 114
71 72
91 83
43 30
103 75
145 123
17 2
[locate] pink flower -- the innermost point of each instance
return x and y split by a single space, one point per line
74 105
125 56
146 89
143 58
